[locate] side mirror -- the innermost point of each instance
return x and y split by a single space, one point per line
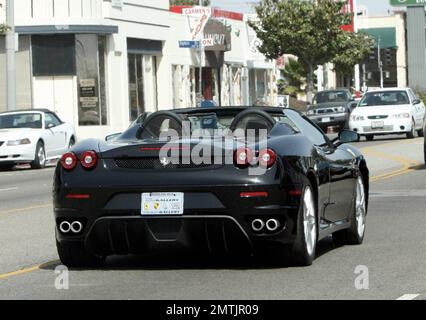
50 125
347 136
112 136
417 101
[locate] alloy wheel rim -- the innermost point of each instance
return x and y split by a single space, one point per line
309 221
41 156
360 209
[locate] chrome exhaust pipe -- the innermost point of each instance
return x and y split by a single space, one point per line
76 227
257 225
272 225
65 227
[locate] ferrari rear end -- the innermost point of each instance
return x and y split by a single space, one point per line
129 199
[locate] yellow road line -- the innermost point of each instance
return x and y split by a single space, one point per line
407 164
27 270
43 206
19 272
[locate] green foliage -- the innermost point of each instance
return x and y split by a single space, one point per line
3 27
353 48
294 78
206 3
307 29
422 96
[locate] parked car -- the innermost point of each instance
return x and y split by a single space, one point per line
389 111
308 187
332 108
33 136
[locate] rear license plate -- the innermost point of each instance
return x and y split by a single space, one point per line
162 204
325 119
377 124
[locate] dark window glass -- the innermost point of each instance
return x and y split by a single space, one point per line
53 55
307 128
50 118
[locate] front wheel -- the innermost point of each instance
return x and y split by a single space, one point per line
355 234
74 255
411 134
302 251
40 157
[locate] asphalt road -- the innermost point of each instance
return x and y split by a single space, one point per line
393 255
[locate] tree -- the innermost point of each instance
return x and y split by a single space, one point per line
206 3
294 78
307 29
3 27
353 48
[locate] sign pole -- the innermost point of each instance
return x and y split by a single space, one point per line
201 71
10 56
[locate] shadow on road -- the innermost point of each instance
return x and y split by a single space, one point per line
192 262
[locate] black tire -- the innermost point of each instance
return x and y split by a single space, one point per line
299 253
6 167
351 235
411 134
38 162
421 133
370 137
74 255
424 151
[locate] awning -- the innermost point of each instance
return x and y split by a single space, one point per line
387 37
67 29
145 46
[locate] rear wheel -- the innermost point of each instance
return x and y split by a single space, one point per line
369 137
421 133
355 234
40 157
302 251
74 255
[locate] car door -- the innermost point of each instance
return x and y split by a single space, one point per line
340 166
58 141
342 182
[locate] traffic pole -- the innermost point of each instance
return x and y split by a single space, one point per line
10 56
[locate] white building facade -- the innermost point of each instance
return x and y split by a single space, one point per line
99 64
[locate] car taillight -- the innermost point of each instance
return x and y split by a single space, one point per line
267 158
69 161
89 159
243 157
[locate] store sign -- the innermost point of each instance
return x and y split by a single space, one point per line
88 97
207 43
407 3
197 11
199 28
349 8
219 34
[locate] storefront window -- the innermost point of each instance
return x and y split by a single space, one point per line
90 54
136 86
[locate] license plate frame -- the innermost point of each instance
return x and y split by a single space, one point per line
377 124
326 120
162 204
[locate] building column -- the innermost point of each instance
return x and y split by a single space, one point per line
416 47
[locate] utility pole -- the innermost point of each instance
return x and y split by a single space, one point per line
10 56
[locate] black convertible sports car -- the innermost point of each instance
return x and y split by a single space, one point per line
226 181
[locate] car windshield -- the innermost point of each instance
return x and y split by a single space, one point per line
21 120
384 98
330 96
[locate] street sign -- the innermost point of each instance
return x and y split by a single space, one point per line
207 42
189 44
408 3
